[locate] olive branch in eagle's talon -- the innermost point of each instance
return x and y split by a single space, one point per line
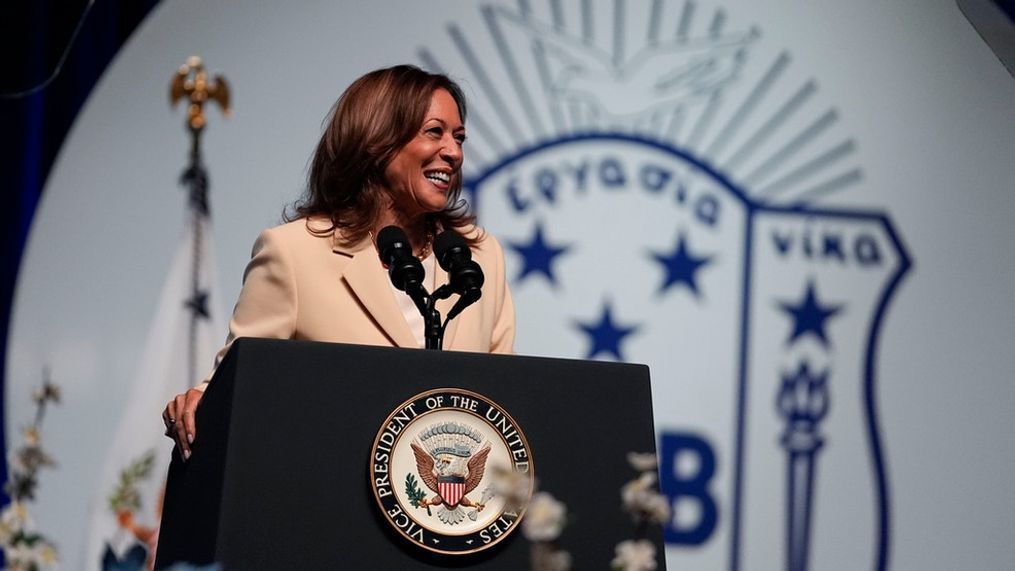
416 496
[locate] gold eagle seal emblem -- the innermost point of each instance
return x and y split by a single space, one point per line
451 471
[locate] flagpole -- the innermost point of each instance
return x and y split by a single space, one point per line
191 82
198 208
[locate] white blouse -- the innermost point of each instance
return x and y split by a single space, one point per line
412 315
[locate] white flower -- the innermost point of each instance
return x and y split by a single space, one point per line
48 554
657 508
31 435
642 461
39 554
559 561
546 557
641 499
511 485
35 556
20 556
645 482
15 515
544 519
12 520
635 556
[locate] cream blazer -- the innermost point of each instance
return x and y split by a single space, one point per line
299 285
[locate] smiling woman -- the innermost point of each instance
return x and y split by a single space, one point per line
390 155
390 130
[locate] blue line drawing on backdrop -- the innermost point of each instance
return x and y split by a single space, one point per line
770 153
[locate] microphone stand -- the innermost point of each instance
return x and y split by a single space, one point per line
433 330
406 275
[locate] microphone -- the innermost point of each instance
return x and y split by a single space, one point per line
405 271
465 276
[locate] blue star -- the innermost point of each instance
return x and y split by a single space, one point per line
681 266
605 336
538 256
198 304
809 315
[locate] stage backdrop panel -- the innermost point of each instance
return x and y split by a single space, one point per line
790 212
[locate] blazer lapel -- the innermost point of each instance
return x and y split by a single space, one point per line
369 283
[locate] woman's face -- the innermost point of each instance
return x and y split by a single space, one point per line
420 175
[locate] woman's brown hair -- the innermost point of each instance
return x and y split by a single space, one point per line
373 119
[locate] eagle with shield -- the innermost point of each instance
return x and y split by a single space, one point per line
451 462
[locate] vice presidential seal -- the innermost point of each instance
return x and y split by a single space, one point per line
451 470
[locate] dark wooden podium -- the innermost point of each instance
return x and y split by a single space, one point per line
279 475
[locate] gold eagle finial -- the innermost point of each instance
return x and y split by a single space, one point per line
191 81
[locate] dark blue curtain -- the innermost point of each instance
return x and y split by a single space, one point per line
1008 7
35 121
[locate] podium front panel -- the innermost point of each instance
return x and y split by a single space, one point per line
279 478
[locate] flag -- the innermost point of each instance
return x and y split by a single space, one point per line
126 508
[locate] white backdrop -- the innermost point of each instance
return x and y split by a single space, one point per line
918 124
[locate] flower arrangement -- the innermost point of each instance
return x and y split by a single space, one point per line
24 548
647 507
546 518
544 521
639 496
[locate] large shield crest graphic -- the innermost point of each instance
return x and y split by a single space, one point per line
451 488
659 178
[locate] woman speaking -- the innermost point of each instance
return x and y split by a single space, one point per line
390 155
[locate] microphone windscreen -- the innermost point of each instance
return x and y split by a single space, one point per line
448 242
388 238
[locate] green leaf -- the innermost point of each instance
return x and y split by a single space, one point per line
125 496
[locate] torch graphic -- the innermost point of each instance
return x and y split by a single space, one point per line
803 402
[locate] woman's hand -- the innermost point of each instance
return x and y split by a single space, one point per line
181 425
